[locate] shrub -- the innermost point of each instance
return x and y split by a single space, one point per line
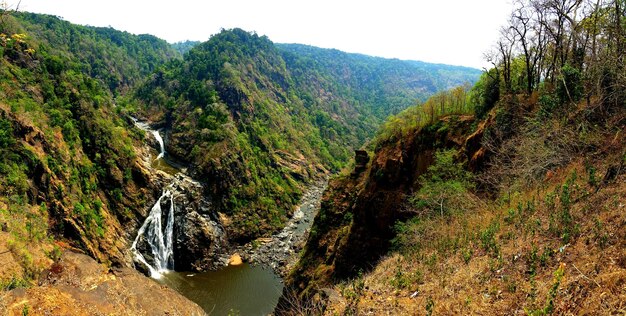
485 93
569 89
444 186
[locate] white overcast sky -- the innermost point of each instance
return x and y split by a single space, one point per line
455 32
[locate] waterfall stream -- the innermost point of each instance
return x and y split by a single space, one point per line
243 289
161 243
151 237
161 144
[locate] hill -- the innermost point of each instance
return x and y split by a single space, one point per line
256 120
68 167
506 200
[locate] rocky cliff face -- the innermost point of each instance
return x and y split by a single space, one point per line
362 209
199 236
49 184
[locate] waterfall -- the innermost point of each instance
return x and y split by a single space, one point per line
160 140
161 244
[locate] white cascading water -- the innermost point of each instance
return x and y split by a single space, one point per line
160 140
161 243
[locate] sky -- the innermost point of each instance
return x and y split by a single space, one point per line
456 32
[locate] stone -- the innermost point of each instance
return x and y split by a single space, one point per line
235 260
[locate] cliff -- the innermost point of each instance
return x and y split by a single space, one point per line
523 215
362 208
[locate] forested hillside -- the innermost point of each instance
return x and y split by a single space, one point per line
507 199
68 167
256 120
382 86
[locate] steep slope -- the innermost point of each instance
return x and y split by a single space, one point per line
537 227
68 169
362 208
256 120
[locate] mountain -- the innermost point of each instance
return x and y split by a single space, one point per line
256 120
382 86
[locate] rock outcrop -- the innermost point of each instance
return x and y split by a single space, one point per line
77 285
361 159
199 237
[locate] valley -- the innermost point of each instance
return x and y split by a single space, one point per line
238 176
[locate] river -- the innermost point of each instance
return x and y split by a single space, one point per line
250 288
233 290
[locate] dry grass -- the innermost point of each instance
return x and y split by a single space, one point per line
467 277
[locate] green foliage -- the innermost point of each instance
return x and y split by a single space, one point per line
61 138
6 134
454 101
13 283
444 186
548 105
353 293
405 280
404 235
430 306
118 59
570 88
256 118
562 223
591 173
552 293
485 93
487 238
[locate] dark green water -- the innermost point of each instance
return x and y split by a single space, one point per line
239 290
164 164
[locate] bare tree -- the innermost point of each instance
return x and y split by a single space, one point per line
5 10
507 42
531 39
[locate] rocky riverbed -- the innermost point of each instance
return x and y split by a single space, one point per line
280 251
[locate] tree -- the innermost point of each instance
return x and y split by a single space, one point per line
531 38
444 186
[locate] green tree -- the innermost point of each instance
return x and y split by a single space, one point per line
444 186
